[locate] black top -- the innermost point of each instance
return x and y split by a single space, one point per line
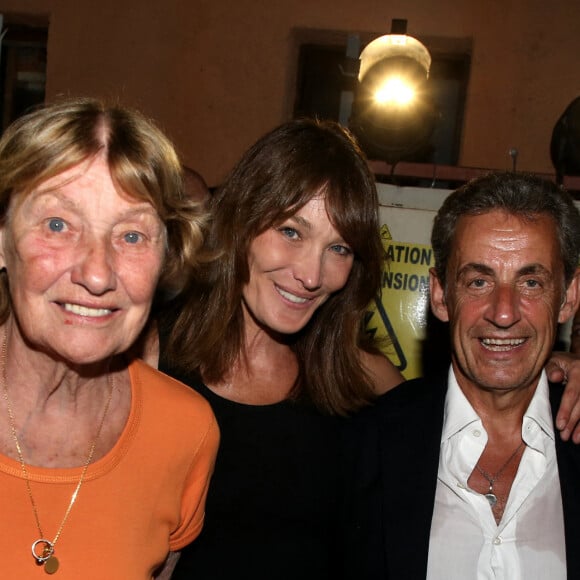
272 507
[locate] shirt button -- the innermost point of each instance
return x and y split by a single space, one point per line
476 432
497 541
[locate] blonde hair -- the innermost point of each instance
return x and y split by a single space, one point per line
142 161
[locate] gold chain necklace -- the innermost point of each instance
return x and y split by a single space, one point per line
491 479
43 549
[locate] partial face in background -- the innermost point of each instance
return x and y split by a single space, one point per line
294 267
83 263
505 295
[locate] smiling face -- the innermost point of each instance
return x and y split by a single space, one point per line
83 264
294 267
505 295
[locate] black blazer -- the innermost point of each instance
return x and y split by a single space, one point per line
392 462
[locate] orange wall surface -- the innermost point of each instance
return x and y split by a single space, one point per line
216 74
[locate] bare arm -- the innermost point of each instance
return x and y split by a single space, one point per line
166 571
383 372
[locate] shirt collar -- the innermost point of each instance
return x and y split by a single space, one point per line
459 413
539 410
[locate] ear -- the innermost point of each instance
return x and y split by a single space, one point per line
571 299
437 297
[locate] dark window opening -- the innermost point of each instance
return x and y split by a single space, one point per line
22 66
321 82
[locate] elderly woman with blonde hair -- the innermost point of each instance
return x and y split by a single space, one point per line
104 462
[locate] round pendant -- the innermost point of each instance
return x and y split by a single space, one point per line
51 565
491 498
47 550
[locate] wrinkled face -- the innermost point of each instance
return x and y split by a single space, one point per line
294 267
505 296
83 263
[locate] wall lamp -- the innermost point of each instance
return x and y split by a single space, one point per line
392 112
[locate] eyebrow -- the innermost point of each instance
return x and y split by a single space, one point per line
535 268
301 221
141 207
474 267
308 225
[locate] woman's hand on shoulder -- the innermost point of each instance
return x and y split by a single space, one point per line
565 367
382 371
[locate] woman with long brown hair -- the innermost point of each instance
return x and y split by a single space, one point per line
272 334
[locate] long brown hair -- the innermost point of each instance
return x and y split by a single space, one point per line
277 176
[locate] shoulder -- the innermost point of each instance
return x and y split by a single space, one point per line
168 395
412 391
414 409
413 398
385 376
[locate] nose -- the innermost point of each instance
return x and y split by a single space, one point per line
308 269
504 308
94 267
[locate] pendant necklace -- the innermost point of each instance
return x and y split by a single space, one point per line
43 549
490 495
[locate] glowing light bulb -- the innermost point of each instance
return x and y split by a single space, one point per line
395 91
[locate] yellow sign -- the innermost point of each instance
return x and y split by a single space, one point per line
399 317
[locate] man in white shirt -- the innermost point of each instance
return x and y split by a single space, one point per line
463 477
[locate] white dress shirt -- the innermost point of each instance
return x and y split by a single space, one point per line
466 543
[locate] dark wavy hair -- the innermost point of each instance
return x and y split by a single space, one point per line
276 177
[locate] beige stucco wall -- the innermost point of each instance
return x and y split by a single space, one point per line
217 73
